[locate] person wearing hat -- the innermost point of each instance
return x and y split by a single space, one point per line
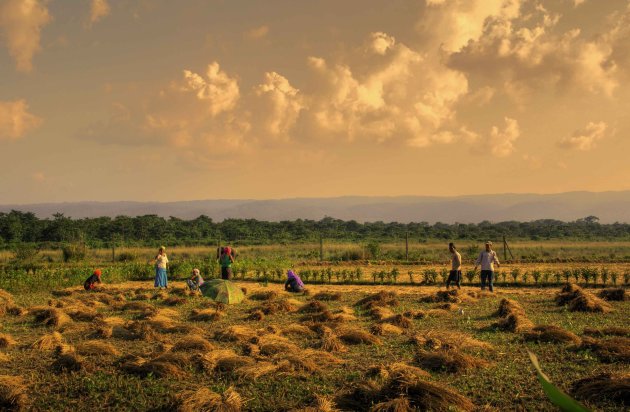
195 281
487 259
90 283
161 264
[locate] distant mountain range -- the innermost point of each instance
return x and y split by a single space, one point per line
608 206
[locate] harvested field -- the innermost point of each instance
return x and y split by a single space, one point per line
428 355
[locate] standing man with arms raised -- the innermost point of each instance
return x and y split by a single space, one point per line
487 259
456 267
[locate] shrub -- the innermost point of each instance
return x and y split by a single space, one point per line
74 252
25 251
515 273
125 257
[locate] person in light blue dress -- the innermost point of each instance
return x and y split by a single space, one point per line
161 265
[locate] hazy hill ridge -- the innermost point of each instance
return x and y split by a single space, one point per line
608 206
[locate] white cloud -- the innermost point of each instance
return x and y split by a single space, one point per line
381 42
218 90
529 51
99 10
21 22
502 140
279 106
585 139
15 120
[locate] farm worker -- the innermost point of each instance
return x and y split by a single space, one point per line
90 283
161 264
195 280
226 260
456 267
487 259
293 283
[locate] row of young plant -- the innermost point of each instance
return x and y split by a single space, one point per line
57 276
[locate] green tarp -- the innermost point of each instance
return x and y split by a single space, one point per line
222 291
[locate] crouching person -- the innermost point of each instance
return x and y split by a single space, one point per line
293 283
91 282
195 281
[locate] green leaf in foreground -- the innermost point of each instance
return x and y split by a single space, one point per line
555 395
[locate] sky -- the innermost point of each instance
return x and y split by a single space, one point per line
106 100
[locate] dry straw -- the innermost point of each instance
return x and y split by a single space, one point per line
551 333
13 396
203 399
605 387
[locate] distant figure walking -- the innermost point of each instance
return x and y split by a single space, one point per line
90 283
225 260
161 264
455 275
293 283
487 259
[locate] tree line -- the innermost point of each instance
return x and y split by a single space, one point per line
148 230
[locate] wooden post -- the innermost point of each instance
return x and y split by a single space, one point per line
407 246
321 248
504 249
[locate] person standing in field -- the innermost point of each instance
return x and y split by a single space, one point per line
161 264
225 260
487 259
456 267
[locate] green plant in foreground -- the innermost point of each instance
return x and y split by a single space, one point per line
555 395
515 273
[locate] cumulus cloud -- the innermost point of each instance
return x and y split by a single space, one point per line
526 49
218 90
502 140
21 22
15 119
279 105
400 94
381 42
99 10
585 139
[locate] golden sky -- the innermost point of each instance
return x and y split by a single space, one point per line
204 99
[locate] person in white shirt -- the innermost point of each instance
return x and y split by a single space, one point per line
161 265
456 267
487 259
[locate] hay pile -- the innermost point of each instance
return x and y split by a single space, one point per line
512 317
8 306
613 294
48 341
551 333
398 371
608 331
269 295
605 387
610 350
236 333
447 360
448 339
159 368
382 298
319 404
313 306
175 300
68 362
13 395
6 340
327 296
50 316
382 329
283 305
192 343
448 296
329 341
403 392
96 348
579 300
356 336
298 330
398 320
205 315
203 399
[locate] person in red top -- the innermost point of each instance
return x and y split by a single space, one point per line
90 283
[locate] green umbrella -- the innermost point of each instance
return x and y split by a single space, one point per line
222 291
